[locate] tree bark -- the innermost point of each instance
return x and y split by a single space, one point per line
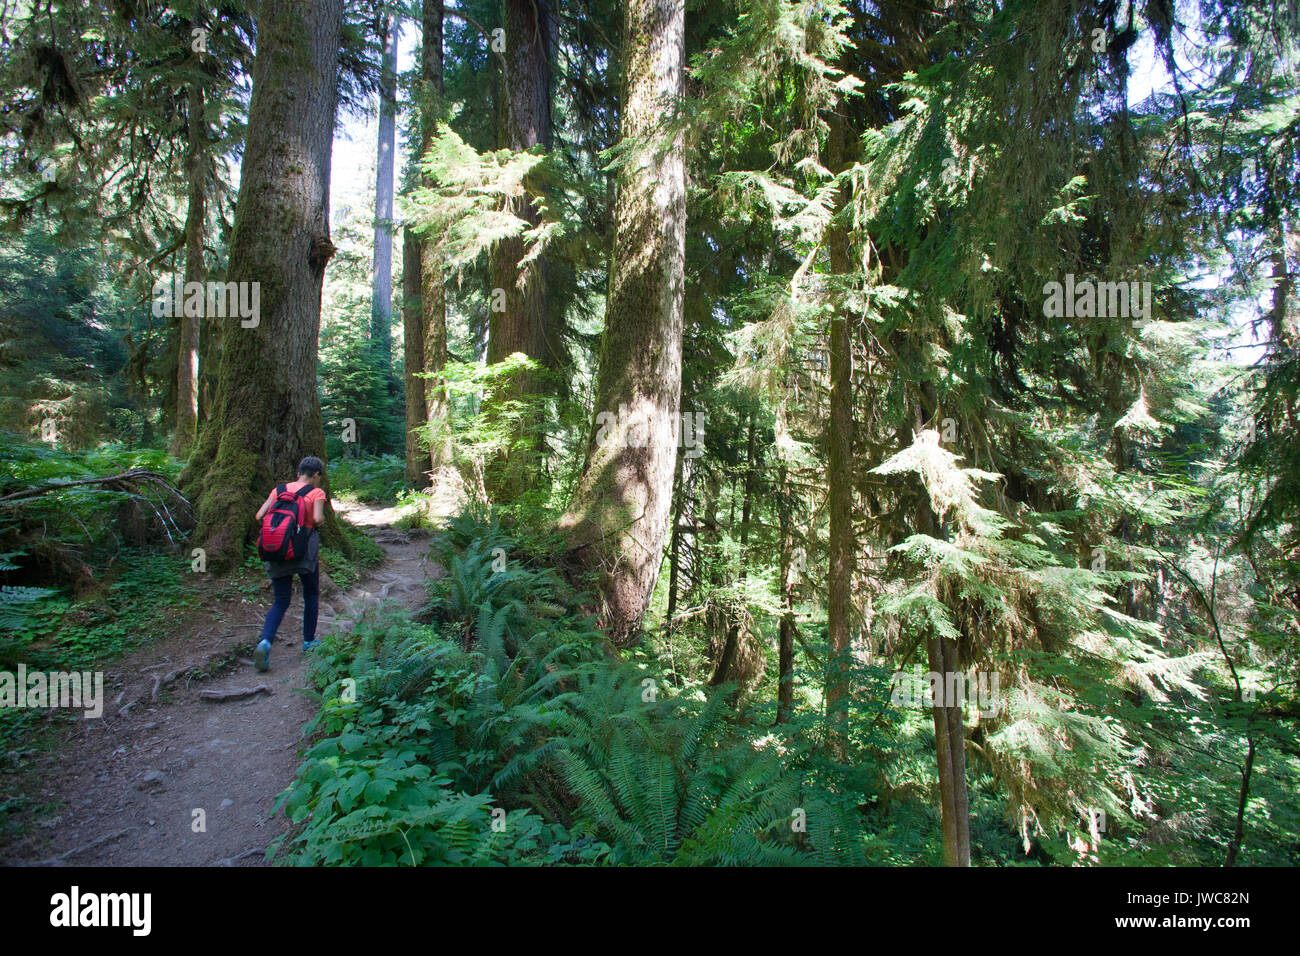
187 359
788 627
267 416
525 122
417 458
209 367
381 301
949 729
1284 245
751 477
433 300
618 519
950 751
1234 848
674 546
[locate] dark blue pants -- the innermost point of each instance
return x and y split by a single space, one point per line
283 588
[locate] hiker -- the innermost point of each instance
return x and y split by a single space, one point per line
291 543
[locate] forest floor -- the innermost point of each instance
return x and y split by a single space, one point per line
123 790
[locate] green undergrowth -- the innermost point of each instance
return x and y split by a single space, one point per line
142 596
374 479
88 573
119 550
506 732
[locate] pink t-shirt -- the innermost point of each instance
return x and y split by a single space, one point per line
308 511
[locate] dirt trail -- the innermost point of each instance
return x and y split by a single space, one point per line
123 790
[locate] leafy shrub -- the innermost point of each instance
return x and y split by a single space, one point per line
378 478
54 538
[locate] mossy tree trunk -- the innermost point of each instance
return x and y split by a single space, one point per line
525 122
618 519
267 415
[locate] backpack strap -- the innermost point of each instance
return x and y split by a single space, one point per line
299 503
284 490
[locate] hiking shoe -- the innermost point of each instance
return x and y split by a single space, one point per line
262 656
310 645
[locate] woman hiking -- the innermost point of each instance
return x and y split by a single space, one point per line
306 493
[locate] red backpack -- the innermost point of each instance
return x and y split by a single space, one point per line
283 538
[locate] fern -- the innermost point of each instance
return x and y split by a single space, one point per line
509 703
15 603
